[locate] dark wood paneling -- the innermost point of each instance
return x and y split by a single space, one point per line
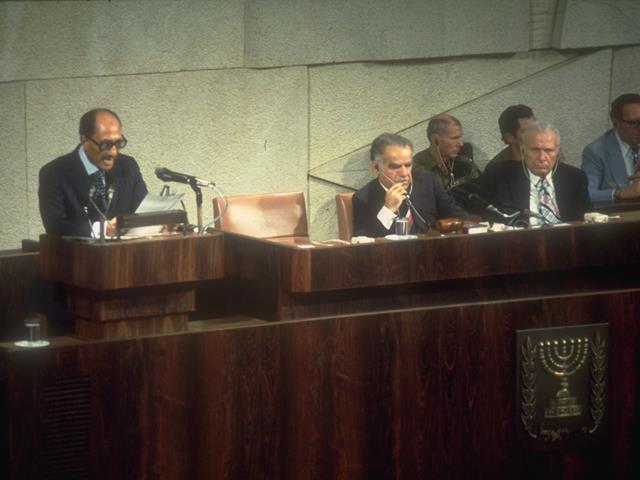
18 271
428 259
425 393
132 263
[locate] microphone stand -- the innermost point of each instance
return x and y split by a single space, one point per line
102 220
424 226
194 186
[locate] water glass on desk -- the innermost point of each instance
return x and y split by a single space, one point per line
402 226
33 324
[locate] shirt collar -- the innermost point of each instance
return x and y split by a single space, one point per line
86 163
534 180
624 146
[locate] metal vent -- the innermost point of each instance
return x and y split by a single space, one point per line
65 406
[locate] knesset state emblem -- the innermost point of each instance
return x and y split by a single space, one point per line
561 386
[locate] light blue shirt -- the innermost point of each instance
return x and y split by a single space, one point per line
88 166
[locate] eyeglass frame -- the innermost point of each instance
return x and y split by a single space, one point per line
107 145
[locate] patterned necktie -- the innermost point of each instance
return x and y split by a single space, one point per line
546 205
635 158
100 183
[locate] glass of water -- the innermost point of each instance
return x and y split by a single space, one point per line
402 226
33 324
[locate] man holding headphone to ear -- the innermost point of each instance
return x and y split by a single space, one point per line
552 191
397 192
448 157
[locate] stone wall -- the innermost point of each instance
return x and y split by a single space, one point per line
282 95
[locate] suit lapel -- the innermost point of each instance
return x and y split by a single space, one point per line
521 191
617 164
563 192
78 177
113 181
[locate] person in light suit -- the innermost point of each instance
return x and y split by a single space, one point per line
611 162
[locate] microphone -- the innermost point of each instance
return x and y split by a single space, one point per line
424 226
511 218
492 208
167 175
101 211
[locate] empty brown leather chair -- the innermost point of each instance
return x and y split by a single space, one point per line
344 209
269 215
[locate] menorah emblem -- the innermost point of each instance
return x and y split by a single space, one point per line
563 358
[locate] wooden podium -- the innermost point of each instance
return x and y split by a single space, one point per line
135 287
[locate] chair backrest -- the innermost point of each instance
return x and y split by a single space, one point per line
269 215
344 209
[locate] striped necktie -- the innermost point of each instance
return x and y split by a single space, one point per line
546 204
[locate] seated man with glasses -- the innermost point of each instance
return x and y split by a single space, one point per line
612 162
93 180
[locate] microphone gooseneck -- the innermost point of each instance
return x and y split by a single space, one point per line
424 225
167 175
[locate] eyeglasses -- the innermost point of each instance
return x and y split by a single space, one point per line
631 123
109 144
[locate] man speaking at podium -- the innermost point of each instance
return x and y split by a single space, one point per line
94 180
397 193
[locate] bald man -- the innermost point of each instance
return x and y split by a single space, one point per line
95 176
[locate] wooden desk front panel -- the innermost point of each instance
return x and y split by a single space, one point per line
132 263
425 393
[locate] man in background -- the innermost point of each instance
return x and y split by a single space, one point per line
612 162
397 192
448 157
512 122
95 179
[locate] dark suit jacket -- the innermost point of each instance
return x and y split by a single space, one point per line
506 186
63 193
428 197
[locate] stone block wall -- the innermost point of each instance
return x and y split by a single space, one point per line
282 95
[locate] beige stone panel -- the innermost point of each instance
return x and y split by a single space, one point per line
244 129
626 71
600 23
14 196
542 19
351 104
573 96
74 39
282 32
323 220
